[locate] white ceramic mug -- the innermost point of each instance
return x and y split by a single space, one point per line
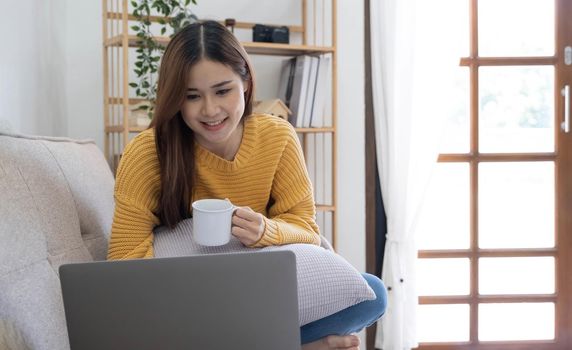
212 221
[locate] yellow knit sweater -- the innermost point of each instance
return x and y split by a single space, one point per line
268 167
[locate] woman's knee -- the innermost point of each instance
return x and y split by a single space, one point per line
380 303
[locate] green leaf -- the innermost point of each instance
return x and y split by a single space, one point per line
135 28
133 85
163 30
133 3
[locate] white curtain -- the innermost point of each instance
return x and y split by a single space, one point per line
411 72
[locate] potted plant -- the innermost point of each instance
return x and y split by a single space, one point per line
173 15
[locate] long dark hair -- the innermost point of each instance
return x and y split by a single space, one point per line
174 140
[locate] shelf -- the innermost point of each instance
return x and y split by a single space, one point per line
284 49
238 25
321 207
119 129
135 129
315 130
254 48
119 100
134 101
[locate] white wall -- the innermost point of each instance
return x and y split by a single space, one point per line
351 132
31 68
51 82
84 68
50 69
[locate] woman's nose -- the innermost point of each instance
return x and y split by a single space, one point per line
210 108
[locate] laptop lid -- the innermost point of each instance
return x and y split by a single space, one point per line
221 301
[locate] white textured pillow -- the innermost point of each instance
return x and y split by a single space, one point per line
327 283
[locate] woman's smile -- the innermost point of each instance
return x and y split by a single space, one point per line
214 125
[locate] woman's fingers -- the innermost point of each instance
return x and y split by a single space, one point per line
245 213
247 225
243 235
245 217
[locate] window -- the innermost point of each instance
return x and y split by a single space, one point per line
496 234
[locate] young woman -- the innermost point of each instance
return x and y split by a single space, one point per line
203 142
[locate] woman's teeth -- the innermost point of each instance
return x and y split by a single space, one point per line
214 123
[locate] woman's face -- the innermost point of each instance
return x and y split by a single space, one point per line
214 105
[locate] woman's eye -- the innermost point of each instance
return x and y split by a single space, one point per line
222 92
192 97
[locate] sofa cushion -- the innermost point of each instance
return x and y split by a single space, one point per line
53 190
327 283
11 338
91 184
22 241
40 183
31 297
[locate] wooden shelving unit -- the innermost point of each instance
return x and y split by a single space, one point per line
253 48
117 43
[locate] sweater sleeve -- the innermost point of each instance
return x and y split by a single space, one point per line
291 217
136 198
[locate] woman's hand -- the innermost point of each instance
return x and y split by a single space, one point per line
247 225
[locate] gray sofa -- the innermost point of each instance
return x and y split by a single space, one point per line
56 207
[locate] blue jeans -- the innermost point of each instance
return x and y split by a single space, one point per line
350 320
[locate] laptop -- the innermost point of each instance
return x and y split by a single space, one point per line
221 301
